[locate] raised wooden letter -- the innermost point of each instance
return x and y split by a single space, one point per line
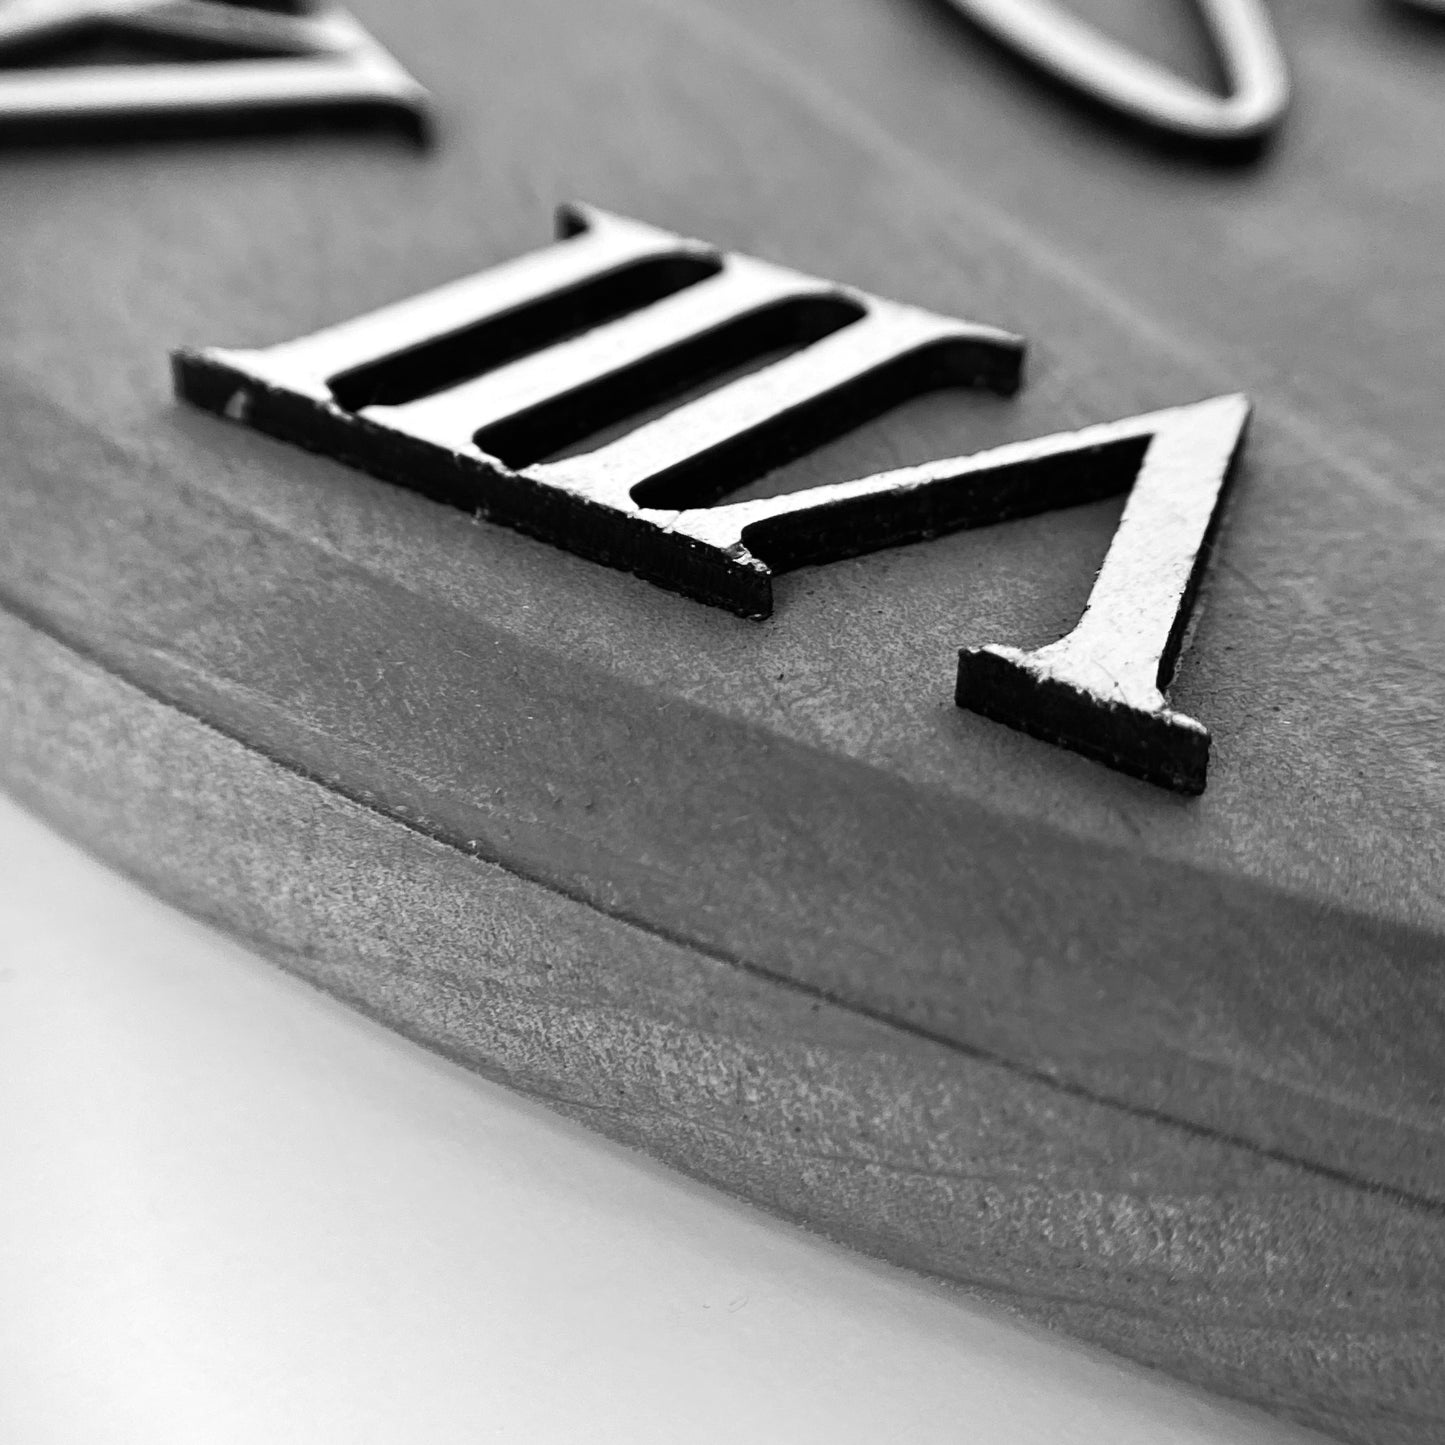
466 392
463 393
234 65
1100 689
1052 38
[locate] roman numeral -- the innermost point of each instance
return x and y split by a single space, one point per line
473 393
236 65
1053 39
1100 690
466 392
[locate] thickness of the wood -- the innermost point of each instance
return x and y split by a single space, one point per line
1274 1283
800 796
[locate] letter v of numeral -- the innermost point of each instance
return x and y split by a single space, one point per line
1098 690
468 393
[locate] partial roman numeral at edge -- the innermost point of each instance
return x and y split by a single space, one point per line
227 67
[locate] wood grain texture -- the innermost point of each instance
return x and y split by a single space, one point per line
758 896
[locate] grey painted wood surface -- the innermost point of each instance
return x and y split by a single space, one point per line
758 897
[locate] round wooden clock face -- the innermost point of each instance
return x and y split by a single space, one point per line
1117 990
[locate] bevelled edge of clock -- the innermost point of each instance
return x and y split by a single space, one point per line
1279 1019
1312 1296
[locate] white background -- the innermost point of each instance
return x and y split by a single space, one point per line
233 1211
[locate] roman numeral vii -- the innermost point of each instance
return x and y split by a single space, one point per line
473 394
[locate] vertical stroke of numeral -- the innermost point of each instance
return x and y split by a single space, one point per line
233 65
1044 33
469 392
